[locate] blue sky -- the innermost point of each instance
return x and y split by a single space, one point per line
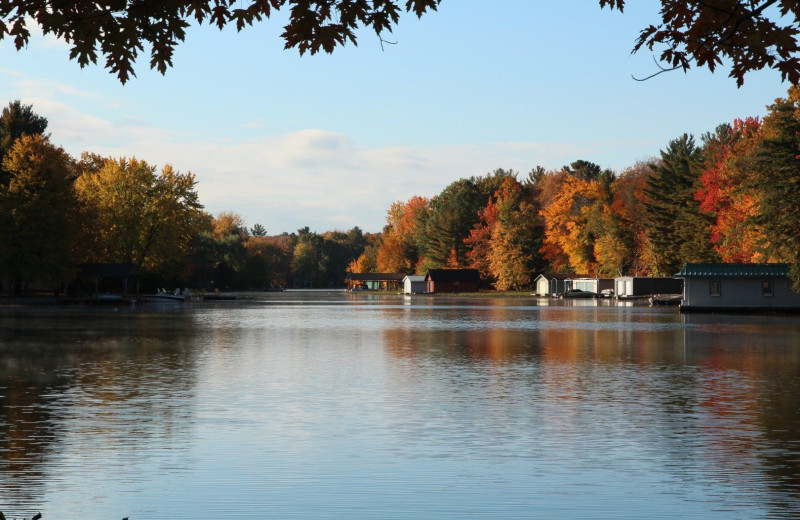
330 141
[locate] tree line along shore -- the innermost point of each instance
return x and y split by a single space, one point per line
731 195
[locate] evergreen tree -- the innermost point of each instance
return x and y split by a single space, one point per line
777 175
676 227
15 121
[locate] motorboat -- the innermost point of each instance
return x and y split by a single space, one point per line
162 295
578 293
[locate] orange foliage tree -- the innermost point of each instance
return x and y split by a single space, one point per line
398 251
620 248
724 193
504 245
479 240
565 224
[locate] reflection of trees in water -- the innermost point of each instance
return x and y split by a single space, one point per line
713 401
753 377
91 384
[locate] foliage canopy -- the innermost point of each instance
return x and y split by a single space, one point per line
751 34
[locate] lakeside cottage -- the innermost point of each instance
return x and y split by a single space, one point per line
628 287
414 284
737 287
452 280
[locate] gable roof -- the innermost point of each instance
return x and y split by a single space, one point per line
453 275
718 270
376 277
415 278
554 276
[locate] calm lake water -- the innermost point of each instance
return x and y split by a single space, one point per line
337 406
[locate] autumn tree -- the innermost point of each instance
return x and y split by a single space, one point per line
118 30
514 238
548 188
268 261
399 251
36 214
725 192
227 223
479 242
566 219
632 252
366 262
453 213
16 121
138 216
748 34
776 174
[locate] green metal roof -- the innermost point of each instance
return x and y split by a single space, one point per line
733 270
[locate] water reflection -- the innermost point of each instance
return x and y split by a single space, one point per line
706 400
90 386
339 406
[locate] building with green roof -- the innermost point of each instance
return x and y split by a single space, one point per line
737 287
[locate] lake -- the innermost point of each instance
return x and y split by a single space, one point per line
340 406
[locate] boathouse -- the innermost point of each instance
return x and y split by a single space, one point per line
452 280
737 287
589 284
628 287
375 281
414 284
119 279
550 284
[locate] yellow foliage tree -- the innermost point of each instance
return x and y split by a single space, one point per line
565 220
137 216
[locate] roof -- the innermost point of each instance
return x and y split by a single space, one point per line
733 270
376 277
631 277
108 270
553 276
453 275
415 278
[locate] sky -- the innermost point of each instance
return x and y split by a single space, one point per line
331 141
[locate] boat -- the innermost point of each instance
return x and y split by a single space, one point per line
162 295
665 299
578 293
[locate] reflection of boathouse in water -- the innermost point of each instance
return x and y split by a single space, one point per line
737 287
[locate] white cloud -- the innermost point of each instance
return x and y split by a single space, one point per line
315 177
256 123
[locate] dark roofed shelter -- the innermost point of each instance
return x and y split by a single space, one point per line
376 281
111 276
452 280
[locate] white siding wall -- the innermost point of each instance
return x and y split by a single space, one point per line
585 284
